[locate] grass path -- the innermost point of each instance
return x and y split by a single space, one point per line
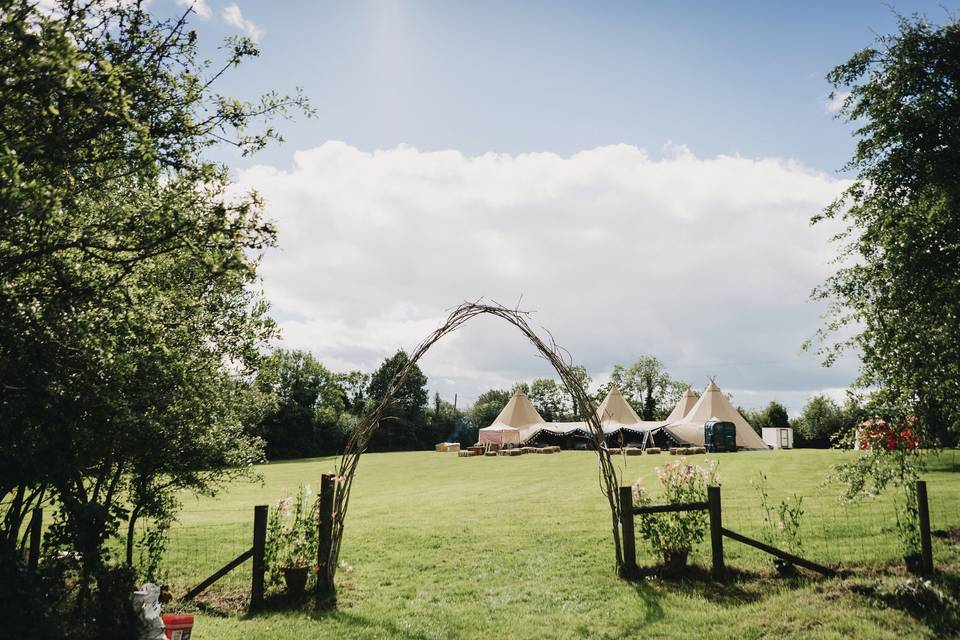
442 547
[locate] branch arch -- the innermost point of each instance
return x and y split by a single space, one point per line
558 357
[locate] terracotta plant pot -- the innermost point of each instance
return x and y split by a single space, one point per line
674 562
296 579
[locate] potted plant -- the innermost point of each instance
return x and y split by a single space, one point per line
672 535
782 525
292 540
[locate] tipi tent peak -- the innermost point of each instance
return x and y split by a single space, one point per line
615 408
686 402
518 413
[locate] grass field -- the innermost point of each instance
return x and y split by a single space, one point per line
443 547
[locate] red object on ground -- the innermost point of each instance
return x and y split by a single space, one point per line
177 626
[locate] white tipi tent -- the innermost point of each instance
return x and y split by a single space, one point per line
516 422
616 410
683 406
616 414
713 405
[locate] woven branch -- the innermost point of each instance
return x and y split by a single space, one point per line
558 357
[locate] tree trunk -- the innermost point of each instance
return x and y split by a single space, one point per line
131 533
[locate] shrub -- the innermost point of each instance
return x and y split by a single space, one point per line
672 535
891 456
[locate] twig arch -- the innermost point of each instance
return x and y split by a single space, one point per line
558 357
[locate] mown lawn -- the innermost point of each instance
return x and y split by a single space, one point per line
444 547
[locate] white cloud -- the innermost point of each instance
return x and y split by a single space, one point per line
200 7
233 16
835 101
705 262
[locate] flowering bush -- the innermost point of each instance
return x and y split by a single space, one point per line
891 456
672 535
292 531
880 434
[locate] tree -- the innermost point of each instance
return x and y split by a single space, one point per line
822 420
309 402
580 373
129 328
646 386
550 400
898 289
354 385
404 421
488 406
449 424
774 415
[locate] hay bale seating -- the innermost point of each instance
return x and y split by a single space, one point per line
466 454
490 453
615 451
633 451
653 451
699 450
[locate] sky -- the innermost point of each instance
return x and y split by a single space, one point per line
640 175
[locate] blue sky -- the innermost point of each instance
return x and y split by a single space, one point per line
642 174
513 77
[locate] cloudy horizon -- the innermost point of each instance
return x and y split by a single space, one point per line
706 263
640 175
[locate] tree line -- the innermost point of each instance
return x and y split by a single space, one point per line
310 410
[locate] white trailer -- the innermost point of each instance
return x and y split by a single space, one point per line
778 437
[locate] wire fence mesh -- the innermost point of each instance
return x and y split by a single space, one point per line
833 532
201 543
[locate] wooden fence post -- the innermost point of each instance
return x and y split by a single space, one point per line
325 586
716 530
259 548
627 533
926 544
33 555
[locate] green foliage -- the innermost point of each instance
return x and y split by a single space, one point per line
550 400
647 386
446 423
773 415
404 423
897 290
309 402
292 531
822 420
782 520
680 482
487 406
130 328
888 461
